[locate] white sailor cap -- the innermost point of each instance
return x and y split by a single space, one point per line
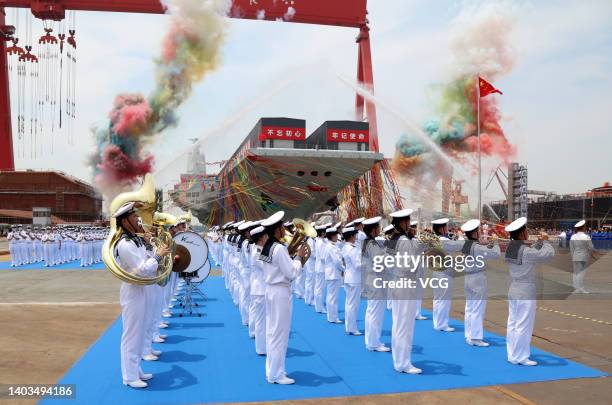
402 213
580 223
388 228
333 229
313 223
348 229
237 224
440 221
470 225
273 219
338 225
359 220
228 224
180 221
257 230
244 225
288 224
414 223
124 209
371 221
350 224
516 224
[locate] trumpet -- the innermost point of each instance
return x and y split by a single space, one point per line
434 246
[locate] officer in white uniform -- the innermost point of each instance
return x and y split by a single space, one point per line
38 247
475 282
12 242
421 273
82 247
133 257
244 270
279 271
257 310
334 268
522 261
320 249
375 310
309 270
443 290
352 280
48 241
28 245
581 249
405 300
361 236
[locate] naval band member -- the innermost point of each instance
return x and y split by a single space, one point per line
279 271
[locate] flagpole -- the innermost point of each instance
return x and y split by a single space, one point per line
479 156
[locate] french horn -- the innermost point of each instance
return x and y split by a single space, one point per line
145 204
294 240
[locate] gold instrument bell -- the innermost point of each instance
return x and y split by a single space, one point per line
293 240
145 202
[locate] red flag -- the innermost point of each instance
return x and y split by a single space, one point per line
486 88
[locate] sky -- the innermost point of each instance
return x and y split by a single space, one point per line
556 107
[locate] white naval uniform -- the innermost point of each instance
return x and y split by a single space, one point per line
581 248
404 306
361 236
257 309
443 296
522 302
309 277
57 247
475 285
26 245
154 294
278 275
333 267
224 269
136 260
352 286
47 240
375 310
81 243
319 289
12 241
244 272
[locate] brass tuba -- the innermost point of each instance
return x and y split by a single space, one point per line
145 202
303 230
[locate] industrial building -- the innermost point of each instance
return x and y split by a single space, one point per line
554 211
52 194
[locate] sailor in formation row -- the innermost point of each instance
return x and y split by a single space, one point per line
53 246
144 308
261 275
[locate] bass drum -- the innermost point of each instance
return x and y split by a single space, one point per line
201 274
192 250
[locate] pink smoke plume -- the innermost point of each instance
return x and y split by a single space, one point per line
130 114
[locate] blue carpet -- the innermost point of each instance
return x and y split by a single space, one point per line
75 265
211 359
